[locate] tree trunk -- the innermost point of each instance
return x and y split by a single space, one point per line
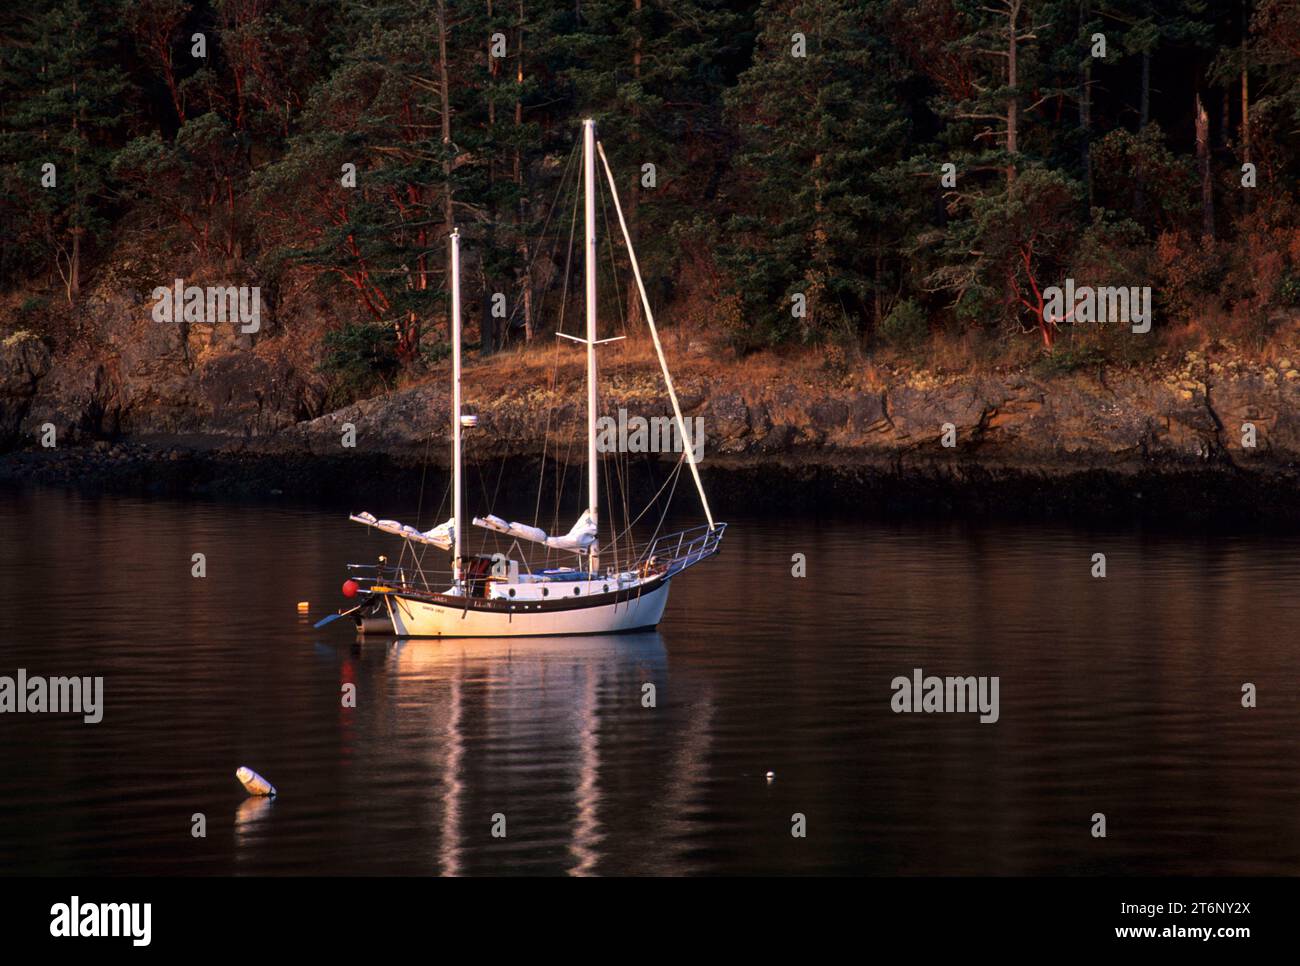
878 283
74 268
448 219
233 248
634 196
1245 91
1203 162
487 322
1245 106
169 77
494 70
1144 117
1144 108
1013 101
1085 111
524 256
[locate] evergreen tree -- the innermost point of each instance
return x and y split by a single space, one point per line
388 109
651 73
821 136
929 161
1009 213
64 98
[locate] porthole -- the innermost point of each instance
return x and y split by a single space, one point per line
512 591
577 591
546 591
605 589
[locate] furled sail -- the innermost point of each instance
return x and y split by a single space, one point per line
521 530
577 540
440 536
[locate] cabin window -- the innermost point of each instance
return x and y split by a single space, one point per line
605 588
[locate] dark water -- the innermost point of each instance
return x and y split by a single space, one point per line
1120 696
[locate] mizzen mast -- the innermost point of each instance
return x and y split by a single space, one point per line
458 505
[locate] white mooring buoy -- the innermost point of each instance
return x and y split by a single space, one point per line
254 783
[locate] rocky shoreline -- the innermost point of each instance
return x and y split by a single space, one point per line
1208 498
1107 443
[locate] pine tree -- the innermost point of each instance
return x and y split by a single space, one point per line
64 98
815 191
388 107
650 72
1009 215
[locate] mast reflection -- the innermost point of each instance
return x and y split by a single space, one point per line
539 690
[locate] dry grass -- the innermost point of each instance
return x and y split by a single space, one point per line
555 362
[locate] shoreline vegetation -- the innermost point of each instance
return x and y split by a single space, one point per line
1028 254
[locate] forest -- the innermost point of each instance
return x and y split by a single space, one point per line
861 176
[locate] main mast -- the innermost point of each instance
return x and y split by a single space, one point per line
456 430
593 467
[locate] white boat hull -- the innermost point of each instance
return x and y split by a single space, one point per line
412 617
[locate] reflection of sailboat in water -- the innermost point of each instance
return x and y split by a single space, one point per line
537 703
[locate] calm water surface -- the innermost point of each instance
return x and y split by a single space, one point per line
1120 696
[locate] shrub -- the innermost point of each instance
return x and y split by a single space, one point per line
906 326
1288 292
360 356
1188 276
1071 356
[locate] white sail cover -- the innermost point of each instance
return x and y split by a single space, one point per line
440 536
582 536
521 530
578 539
443 535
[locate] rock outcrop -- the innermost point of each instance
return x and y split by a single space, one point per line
154 387
24 362
1193 415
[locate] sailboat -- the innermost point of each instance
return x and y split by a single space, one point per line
501 596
